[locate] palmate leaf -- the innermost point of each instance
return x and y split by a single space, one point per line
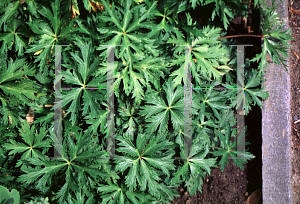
33 141
167 10
275 37
83 76
201 111
145 159
158 114
12 37
229 149
211 99
203 129
210 55
127 119
79 169
252 96
86 66
252 93
152 68
56 30
132 80
123 32
194 165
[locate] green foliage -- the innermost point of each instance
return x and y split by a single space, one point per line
275 38
14 89
194 168
12 37
150 69
7 197
30 144
51 29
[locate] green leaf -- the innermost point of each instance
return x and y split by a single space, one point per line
159 112
53 31
7 197
14 88
9 11
143 161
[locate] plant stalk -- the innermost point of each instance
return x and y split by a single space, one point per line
242 35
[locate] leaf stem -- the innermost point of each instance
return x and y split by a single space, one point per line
242 35
215 147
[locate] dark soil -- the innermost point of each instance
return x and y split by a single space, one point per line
294 21
229 186
234 185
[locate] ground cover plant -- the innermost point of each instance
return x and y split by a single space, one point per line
149 103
